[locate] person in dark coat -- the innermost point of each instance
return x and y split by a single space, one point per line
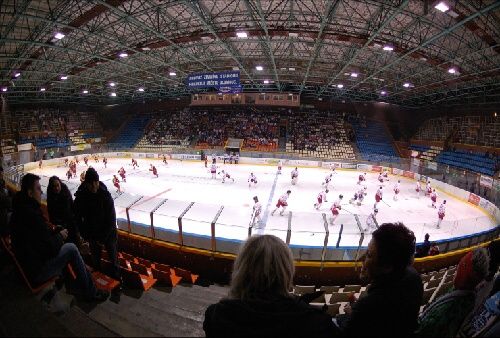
60 209
424 248
41 251
95 217
392 302
259 304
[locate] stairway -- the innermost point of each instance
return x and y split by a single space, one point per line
130 133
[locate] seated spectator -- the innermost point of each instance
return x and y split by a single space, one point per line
41 251
423 249
259 304
485 287
434 250
95 217
5 206
60 209
392 302
444 316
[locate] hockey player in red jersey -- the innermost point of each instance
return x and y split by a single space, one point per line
321 198
434 198
282 203
361 178
122 173
441 213
335 208
116 183
378 197
396 190
153 169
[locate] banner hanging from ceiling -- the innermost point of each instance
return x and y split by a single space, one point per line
228 80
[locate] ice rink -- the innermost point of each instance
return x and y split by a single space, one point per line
183 182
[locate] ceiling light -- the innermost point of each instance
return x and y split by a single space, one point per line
112 84
59 36
406 85
140 89
172 73
442 6
85 91
291 68
123 55
42 89
4 89
452 70
293 35
388 48
340 86
242 35
266 81
113 94
17 74
259 67
383 92
146 48
64 77
354 74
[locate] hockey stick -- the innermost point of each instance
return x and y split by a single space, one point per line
386 203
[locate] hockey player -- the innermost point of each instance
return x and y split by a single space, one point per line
213 169
72 167
280 165
378 197
82 176
122 173
335 208
295 176
252 179
418 187
40 164
153 169
165 160
371 221
69 174
361 178
385 175
77 161
105 161
66 162
434 198
321 198
358 196
257 211
441 213
428 189
282 202
396 190
225 175
206 161
86 160
116 183
327 181
380 178
134 163
96 159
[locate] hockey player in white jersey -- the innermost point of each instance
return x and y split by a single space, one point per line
295 176
396 189
320 199
371 221
280 165
327 180
225 175
378 198
252 179
213 170
418 188
441 213
256 212
282 203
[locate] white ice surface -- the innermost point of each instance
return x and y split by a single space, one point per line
183 182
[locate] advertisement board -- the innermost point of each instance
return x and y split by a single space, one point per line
364 167
474 199
377 168
486 181
349 166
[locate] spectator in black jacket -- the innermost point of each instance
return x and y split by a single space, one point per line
392 303
41 251
423 249
96 219
60 208
259 304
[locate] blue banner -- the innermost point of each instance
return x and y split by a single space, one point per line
228 79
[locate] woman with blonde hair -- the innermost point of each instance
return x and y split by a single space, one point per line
259 302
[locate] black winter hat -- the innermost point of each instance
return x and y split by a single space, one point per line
91 175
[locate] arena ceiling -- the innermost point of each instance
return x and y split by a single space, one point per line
322 49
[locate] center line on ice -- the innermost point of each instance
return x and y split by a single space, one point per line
269 201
